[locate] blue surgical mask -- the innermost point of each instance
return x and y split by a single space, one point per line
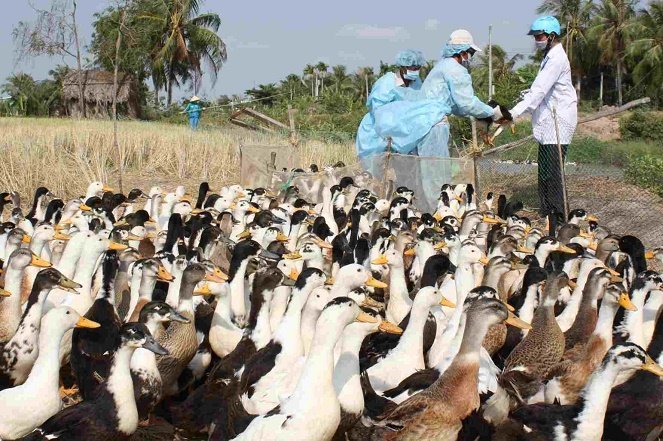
412 75
466 64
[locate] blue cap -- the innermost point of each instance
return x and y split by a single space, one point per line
545 25
410 57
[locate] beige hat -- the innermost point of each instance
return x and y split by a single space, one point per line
194 98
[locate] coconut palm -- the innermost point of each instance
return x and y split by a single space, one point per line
310 74
366 74
613 30
187 41
340 79
647 49
291 85
322 71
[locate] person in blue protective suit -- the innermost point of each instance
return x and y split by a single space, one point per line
392 86
194 109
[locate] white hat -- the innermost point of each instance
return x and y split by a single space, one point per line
463 37
194 98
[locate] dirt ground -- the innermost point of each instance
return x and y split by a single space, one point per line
605 129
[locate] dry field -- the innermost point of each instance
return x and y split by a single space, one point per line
65 155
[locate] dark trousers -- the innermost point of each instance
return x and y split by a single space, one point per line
551 185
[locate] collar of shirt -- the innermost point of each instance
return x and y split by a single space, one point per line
399 80
552 53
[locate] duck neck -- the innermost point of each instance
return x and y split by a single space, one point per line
120 386
27 333
293 236
399 298
185 304
45 372
595 402
650 313
173 296
446 358
289 331
411 344
346 379
541 255
633 319
147 284
237 297
316 261
37 244
134 294
604 323
424 251
259 320
526 311
10 307
85 272
71 255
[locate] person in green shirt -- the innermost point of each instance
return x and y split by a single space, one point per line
194 109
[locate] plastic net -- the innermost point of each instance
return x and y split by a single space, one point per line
259 162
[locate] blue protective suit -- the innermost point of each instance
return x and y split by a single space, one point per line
384 91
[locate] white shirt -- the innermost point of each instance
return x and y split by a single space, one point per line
552 89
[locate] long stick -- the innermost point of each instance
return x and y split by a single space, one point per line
561 166
118 43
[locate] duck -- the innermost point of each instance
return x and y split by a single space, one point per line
38 398
584 419
535 356
91 352
646 284
112 414
244 251
152 271
180 338
144 371
408 356
400 303
566 380
437 412
10 306
20 352
314 397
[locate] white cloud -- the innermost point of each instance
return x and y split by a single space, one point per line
432 24
372 32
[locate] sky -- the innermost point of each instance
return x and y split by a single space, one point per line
268 40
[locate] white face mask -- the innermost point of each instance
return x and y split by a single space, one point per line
541 45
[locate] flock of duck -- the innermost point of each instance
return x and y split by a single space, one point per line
323 314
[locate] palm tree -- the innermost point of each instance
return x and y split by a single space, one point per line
290 85
322 71
503 67
647 49
574 15
187 41
366 74
22 90
310 73
613 29
340 78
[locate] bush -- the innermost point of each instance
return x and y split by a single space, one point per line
647 172
642 125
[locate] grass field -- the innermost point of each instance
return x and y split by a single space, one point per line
65 155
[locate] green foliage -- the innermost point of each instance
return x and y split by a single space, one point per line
28 97
647 172
642 125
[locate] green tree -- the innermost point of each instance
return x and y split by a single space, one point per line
340 79
309 74
266 93
646 51
365 76
187 41
613 28
321 70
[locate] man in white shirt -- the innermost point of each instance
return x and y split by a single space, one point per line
552 95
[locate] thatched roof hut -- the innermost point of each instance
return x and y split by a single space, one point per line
98 93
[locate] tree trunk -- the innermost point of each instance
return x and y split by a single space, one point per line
578 85
118 43
618 81
169 101
81 86
156 92
366 79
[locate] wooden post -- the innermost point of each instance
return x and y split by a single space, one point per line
490 62
601 93
475 149
120 152
561 166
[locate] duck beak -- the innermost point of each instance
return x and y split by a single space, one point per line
152 345
69 285
202 290
490 220
586 235
164 275
616 279
613 272
593 246
216 276
312 212
133 237
513 320
365 318
330 281
649 255
8 198
390 328
567 250
39 262
382 260
371 303
292 256
375 283
4 293
121 223
60 236
197 211
651 366
114 246
107 188
177 317
410 252
438 246
484 260
150 235
150 221
282 237
253 209
86 323
446 302
437 216
85 207
572 284
592 218
519 266
26 239
525 250
294 274
625 302
244 234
